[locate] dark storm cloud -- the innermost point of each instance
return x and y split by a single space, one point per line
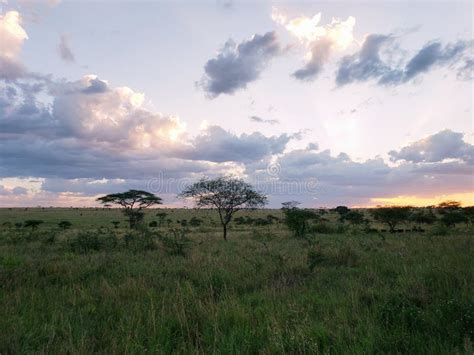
237 65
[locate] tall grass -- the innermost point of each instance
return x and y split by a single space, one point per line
87 291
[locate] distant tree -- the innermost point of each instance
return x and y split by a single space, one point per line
133 203
453 217
423 217
161 218
32 223
296 219
289 205
64 225
342 210
115 223
195 222
227 194
353 217
450 205
469 213
391 216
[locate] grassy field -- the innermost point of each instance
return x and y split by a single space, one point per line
182 289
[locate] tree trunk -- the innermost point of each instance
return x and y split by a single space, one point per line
225 231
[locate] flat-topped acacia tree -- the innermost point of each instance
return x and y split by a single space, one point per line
133 203
227 194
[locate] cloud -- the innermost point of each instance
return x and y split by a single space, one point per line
438 147
367 64
434 54
263 120
218 145
89 129
320 52
12 37
64 49
320 41
326 180
15 191
237 65
466 71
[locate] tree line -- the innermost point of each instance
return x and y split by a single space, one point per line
229 194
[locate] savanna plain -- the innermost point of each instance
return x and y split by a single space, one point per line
92 285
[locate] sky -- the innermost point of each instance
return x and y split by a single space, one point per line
327 103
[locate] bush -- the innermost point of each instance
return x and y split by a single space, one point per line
64 225
195 222
297 220
33 223
153 224
85 242
439 229
140 240
176 242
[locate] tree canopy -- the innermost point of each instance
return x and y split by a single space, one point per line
133 202
227 194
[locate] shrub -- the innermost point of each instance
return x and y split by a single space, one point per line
88 241
115 224
85 242
64 225
297 220
140 240
176 242
195 222
33 223
451 218
439 229
153 224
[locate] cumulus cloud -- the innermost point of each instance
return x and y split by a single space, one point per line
367 64
320 41
89 129
64 49
263 120
237 65
218 145
438 147
15 191
326 180
12 37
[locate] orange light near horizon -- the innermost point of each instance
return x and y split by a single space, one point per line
466 199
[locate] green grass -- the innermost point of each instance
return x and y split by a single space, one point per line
261 292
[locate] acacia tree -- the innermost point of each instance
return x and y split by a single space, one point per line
297 220
227 194
133 203
391 216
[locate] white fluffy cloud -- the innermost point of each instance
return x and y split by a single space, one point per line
12 36
320 41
